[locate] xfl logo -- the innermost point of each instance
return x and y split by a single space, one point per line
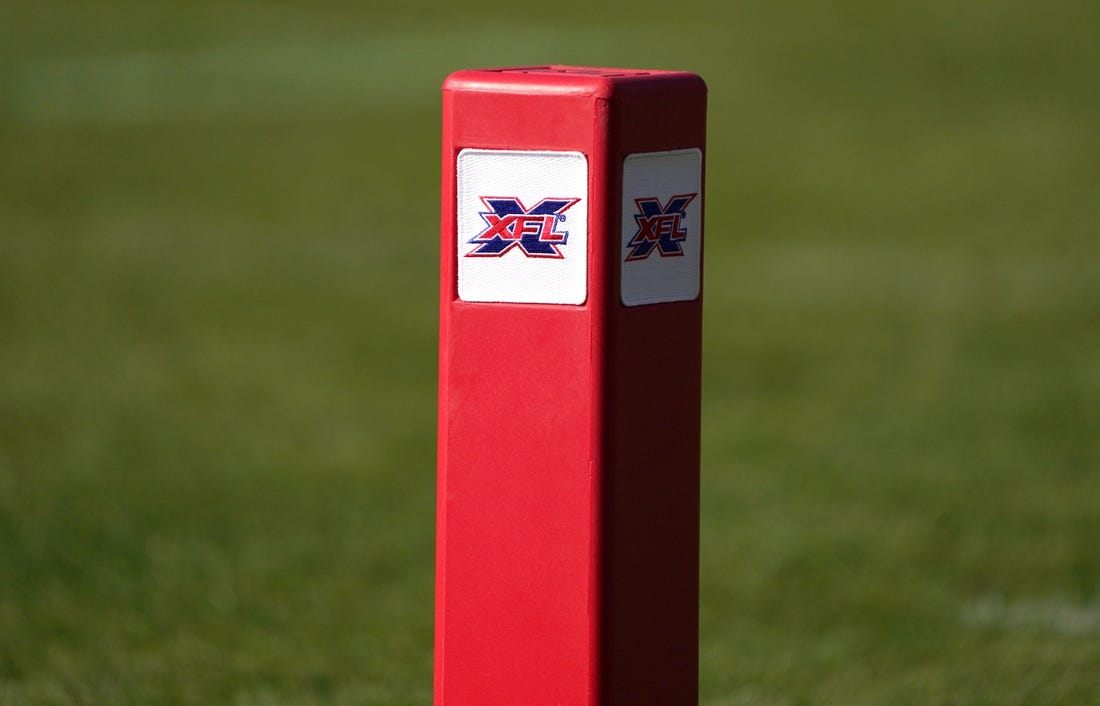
659 227
509 224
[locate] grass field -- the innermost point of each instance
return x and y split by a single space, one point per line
218 271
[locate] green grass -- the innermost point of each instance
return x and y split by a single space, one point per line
218 266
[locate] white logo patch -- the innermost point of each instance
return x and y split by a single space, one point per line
522 226
662 227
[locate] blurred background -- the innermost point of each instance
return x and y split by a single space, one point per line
218 277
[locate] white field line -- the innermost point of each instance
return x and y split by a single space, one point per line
1053 615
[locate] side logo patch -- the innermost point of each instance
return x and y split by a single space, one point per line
510 225
659 227
661 241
